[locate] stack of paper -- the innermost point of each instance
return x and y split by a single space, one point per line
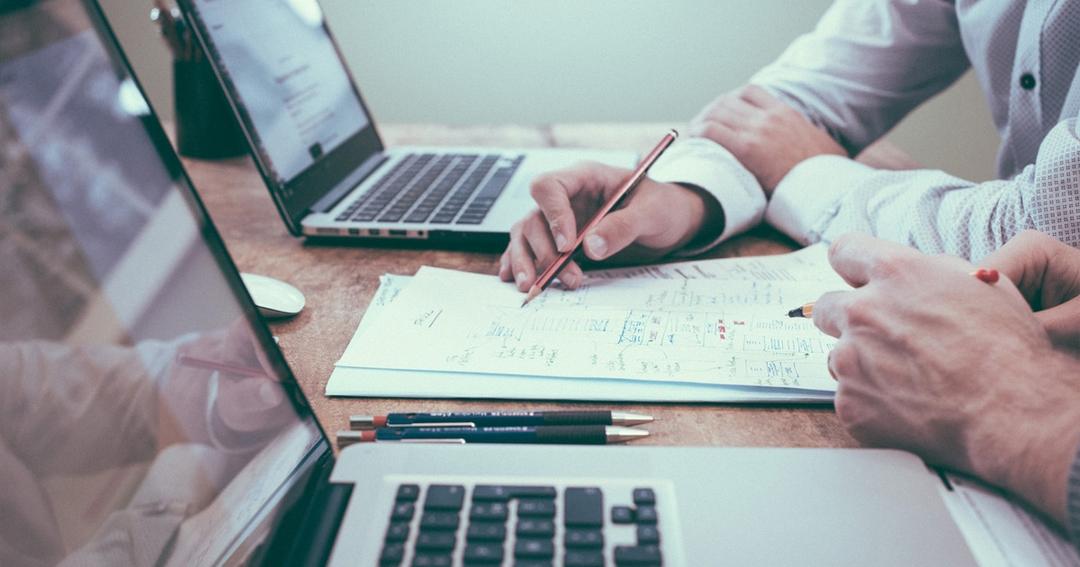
714 330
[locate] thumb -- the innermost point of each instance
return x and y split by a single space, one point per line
1062 323
614 232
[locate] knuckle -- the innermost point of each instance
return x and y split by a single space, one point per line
861 311
839 245
890 266
844 361
845 409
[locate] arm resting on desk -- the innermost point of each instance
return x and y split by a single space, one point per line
827 196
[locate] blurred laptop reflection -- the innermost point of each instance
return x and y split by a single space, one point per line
141 422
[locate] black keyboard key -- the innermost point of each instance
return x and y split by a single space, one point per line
485 531
427 560
417 217
583 558
494 185
648 535
535 507
442 219
646 514
439 521
444 497
534 548
436 541
583 507
470 219
532 563
584 539
407 493
535 528
483 553
402 512
637 555
392 554
489 512
644 497
364 216
622 515
540 492
503 493
398 531
491 493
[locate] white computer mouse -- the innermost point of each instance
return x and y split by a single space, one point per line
274 298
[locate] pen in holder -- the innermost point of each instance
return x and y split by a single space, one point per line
205 125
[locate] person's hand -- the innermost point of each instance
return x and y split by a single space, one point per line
1047 272
655 219
935 361
249 403
766 135
222 408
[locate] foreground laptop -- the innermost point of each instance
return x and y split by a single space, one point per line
148 418
320 153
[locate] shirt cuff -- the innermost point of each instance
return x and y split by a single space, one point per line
1072 502
706 164
808 197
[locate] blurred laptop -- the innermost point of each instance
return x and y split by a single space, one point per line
150 419
320 153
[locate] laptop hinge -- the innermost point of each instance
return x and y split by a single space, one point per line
342 190
315 539
307 520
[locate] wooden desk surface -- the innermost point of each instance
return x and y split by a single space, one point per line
340 281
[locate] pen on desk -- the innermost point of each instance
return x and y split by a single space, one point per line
559 434
987 275
196 362
498 418
553 269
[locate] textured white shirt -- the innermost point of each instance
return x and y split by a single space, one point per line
870 62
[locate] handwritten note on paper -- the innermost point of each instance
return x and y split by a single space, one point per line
711 322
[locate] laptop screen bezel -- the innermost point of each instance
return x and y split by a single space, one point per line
321 177
320 454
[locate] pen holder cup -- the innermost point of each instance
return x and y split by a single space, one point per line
206 127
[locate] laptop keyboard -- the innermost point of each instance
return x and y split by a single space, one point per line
516 525
440 189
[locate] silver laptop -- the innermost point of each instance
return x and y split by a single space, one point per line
150 419
320 153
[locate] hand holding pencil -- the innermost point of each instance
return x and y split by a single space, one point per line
629 184
654 219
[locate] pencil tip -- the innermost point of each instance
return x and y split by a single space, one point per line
533 292
797 312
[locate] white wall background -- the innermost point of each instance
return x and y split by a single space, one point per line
542 61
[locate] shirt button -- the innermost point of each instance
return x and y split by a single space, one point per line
1027 81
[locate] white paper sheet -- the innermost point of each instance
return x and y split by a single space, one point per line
366 382
716 322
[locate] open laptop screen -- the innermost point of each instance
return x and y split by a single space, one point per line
292 92
146 417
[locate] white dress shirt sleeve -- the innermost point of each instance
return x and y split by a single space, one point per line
867 64
827 196
707 165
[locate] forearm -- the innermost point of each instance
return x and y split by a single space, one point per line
1031 448
825 197
57 401
867 64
